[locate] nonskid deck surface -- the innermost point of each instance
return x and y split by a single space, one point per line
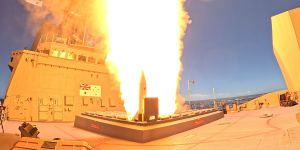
246 130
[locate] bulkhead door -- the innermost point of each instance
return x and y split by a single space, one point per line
57 109
50 109
69 112
44 109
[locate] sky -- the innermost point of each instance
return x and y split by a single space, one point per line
228 46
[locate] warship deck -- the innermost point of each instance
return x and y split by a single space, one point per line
246 130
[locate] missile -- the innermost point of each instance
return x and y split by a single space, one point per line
142 95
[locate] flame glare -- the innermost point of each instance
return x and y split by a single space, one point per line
146 36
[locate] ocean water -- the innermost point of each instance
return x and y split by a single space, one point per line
229 101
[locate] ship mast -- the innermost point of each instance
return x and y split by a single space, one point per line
215 103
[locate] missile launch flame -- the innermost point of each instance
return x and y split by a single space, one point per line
146 36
